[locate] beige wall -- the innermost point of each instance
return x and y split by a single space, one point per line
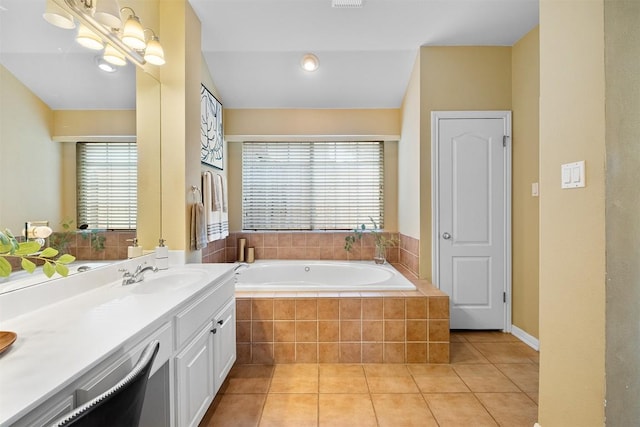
572 234
94 125
622 38
525 59
455 78
71 126
409 158
247 124
180 78
148 98
30 162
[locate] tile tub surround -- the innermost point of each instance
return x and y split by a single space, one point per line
346 327
317 245
409 253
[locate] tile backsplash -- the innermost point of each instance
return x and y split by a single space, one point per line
306 245
96 245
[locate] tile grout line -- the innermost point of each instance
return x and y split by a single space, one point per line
273 371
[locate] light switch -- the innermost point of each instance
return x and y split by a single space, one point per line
534 189
573 175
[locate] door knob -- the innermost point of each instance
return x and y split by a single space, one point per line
446 236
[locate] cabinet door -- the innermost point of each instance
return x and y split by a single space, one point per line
224 342
194 378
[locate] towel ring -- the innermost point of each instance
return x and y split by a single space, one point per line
196 193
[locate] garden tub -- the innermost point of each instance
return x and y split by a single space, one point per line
333 276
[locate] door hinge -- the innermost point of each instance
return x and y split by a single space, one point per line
504 297
504 140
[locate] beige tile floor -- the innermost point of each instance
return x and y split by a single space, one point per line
492 380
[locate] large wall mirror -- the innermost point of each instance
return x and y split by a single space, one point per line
52 90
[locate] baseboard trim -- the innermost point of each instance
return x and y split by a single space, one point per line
529 340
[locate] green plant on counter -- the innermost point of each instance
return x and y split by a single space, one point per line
381 241
28 252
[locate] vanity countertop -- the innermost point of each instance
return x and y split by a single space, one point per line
59 342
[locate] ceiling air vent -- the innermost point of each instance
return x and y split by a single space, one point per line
344 4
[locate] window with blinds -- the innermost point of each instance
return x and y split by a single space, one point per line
107 180
312 185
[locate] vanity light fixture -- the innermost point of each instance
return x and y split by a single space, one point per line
154 54
133 33
88 38
100 23
114 56
310 62
107 12
55 15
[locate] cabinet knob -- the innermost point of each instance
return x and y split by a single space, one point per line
220 322
214 330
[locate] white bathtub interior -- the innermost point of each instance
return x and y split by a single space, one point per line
300 276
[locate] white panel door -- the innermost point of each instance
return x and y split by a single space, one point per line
472 219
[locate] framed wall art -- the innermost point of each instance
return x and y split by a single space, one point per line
211 132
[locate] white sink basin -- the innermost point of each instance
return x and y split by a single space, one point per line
167 281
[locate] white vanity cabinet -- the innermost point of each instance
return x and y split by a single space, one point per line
48 413
224 342
207 329
74 348
194 378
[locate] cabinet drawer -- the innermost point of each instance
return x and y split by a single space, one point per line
47 413
190 320
110 375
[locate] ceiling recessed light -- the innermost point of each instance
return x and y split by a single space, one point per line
310 62
105 66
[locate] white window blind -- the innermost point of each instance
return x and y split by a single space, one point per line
107 179
312 185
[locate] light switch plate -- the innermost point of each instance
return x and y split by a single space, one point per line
572 175
534 189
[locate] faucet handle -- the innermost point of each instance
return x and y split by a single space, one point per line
125 272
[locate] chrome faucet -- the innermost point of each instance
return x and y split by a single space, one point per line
240 264
129 278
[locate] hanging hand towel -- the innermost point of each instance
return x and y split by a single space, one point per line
198 227
224 214
212 217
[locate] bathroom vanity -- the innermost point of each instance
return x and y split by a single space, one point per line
79 335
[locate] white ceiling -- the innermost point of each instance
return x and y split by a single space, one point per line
253 49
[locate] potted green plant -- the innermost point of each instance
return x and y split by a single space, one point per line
62 240
29 253
382 242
